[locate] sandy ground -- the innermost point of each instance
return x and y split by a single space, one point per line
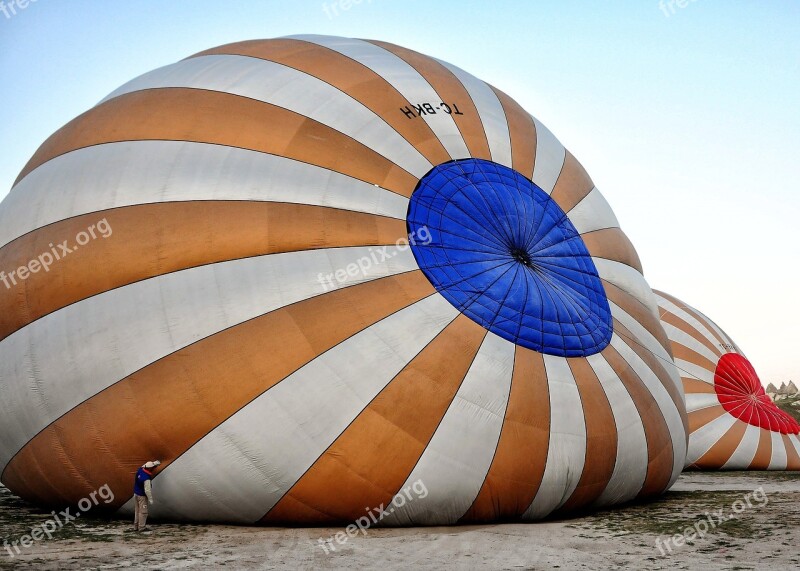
763 535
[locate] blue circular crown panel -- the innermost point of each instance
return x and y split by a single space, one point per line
503 252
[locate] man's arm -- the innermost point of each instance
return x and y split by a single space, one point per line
148 490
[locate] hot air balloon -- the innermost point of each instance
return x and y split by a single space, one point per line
733 424
311 272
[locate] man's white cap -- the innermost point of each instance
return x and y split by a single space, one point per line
153 464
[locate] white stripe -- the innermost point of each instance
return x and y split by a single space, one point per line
702 439
454 465
719 331
630 468
680 337
567 450
695 372
403 77
628 279
699 401
779 458
592 213
252 459
290 89
143 172
491 113
672 416
550 155
795 440
688 318
59 361
743 456
646 339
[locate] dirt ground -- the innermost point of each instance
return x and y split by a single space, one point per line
764 534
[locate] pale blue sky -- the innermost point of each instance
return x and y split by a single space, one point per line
689 122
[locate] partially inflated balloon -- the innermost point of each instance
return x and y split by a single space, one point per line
246 305
733 423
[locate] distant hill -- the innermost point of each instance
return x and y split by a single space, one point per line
790 405
785 391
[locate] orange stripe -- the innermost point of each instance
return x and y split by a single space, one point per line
793 459
155 239
700 418
518 465
349 76
178 114
693 387
612 244
669 317
659 441
369 462
680 351
639 312
573 184
451 91
696 314
104 439
601 436
659 368
723 449
522 130
764 451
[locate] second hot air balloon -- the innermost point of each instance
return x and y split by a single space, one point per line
733 424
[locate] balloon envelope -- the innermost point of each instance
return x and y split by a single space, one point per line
733 423
311 273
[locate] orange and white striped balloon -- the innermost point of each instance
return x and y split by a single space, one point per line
257 320
733 424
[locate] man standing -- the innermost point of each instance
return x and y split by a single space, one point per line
143 493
